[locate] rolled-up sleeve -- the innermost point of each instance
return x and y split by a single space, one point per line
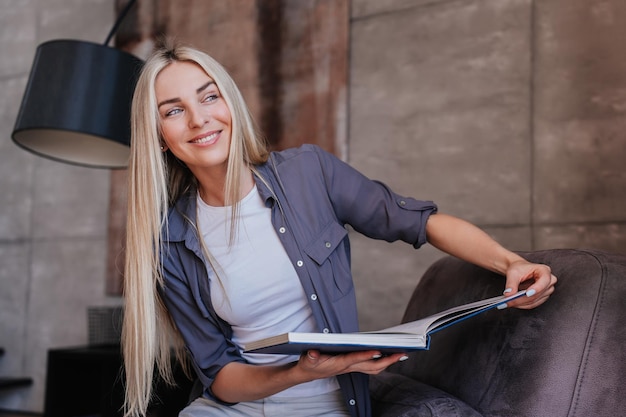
371 207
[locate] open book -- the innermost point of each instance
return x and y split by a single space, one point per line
406 337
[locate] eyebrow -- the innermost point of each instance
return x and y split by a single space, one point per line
176 99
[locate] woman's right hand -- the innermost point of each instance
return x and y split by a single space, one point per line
318 365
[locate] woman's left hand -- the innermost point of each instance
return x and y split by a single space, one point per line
536 279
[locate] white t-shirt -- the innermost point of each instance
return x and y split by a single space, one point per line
259 293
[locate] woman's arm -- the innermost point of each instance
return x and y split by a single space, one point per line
238 382
466 241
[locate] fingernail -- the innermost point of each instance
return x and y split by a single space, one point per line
508 290
502 306
403 358
377 356
530 293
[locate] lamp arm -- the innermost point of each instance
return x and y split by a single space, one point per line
118 21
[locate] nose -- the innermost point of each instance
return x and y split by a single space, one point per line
197 116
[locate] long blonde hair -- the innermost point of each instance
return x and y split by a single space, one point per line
156 180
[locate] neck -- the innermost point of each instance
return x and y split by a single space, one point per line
212 188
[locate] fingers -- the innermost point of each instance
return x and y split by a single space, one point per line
313 356
377 363
368 362
542 287
536 279
540 297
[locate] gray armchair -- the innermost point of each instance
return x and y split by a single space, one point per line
565 358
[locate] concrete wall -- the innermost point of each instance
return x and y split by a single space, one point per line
52 216
509 113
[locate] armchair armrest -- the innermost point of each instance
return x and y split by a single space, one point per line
564 358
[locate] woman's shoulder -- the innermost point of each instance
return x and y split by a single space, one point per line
302 150
303 154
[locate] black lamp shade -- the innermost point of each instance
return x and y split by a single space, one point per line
76 107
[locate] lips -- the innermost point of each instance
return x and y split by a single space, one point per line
206 139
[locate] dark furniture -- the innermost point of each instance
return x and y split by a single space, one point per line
564 358
87 381
83 381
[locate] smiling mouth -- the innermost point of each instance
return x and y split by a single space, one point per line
206 139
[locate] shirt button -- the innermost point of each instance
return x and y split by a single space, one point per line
282 230
327 244
326 330
299 263
314 297
402 203
352 402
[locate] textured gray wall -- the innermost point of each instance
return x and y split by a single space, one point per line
53 217
509 113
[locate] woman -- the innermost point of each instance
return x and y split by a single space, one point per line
229 243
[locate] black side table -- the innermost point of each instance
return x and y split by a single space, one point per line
88 382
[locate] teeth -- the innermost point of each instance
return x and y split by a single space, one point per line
206 138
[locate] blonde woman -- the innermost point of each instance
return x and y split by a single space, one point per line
228 243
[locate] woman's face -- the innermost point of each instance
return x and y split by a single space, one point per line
195 120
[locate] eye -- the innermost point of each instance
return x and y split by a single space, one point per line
172 112
210 97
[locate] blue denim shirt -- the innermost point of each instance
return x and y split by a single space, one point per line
312 195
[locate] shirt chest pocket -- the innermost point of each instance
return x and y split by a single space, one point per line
330 250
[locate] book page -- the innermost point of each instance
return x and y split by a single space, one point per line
430 323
